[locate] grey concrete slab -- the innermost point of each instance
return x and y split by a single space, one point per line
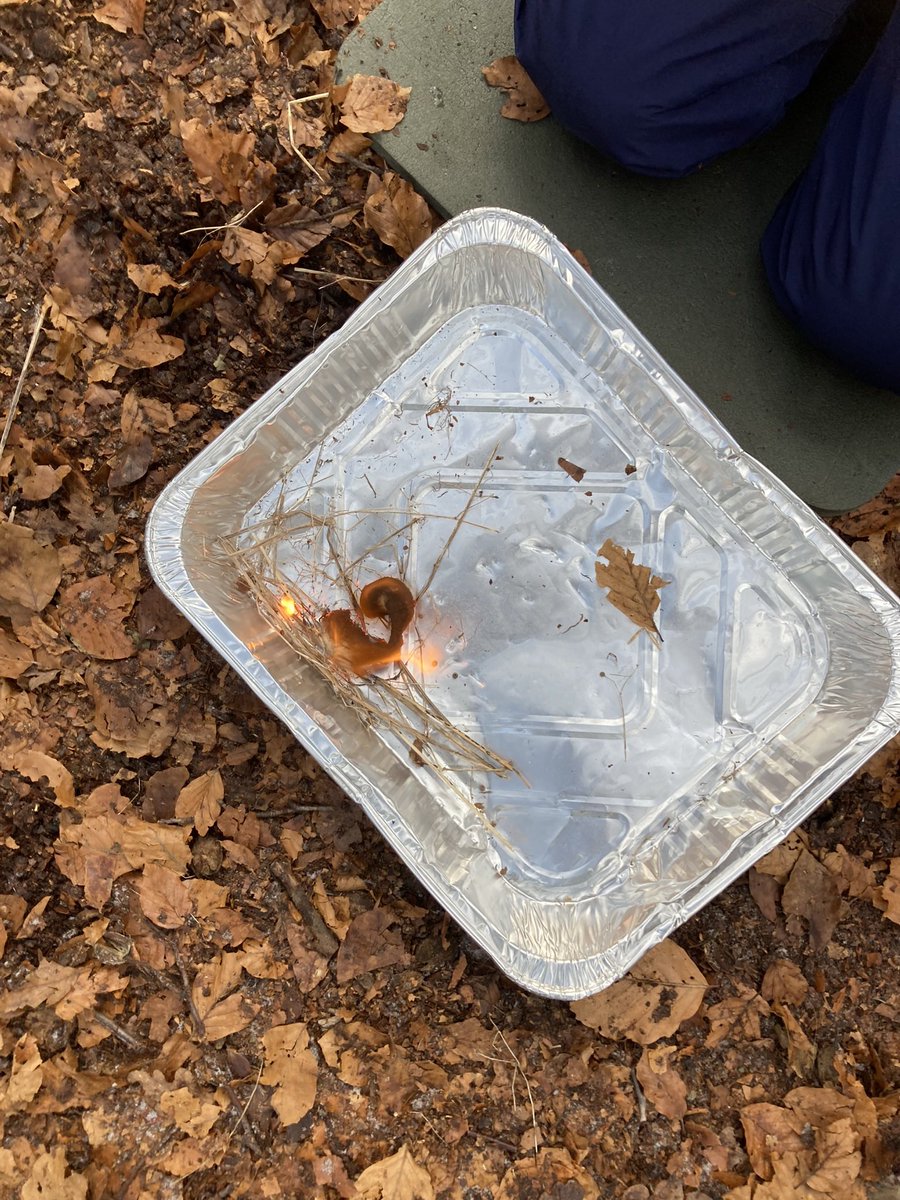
680 257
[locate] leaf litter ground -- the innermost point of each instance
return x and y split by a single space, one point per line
217 981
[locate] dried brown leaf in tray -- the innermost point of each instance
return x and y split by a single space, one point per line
633 589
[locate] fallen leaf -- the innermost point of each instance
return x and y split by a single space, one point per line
258 256
105 845
655 997
784 983
222 1013
150 278
801 1051
663 1086
890 892
67 990
157 619
812 893
781 861
370 103
19 100
201 800
291 1069
769 1131
633 589
125 15
396 1178
577 473
25 1076
736 1018
347 144
369 944
35 765
50 1179
194 1115
14 657
91 613
399 216
876 515
165 899
131 464
191 1155
550 1173
143 345
29 572
523 101
220 157
335 14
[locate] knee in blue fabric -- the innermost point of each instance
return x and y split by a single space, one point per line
664 88
832 250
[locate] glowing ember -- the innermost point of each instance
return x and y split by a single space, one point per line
424 658
288 606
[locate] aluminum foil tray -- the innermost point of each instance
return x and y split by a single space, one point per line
651 774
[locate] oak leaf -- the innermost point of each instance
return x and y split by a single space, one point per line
784 983
398 214
770 1132
632 589
291 1069
655 997
370 103
396 1178
523 100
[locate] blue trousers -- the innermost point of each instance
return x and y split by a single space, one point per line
665 88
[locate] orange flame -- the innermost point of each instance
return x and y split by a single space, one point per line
288 606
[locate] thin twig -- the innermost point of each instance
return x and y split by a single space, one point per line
242 1117
234 223
336 276
295 810
120 1032
40 313
189 995
459 520
518 1068
296 149
325 940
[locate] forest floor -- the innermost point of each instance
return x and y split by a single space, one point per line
178 235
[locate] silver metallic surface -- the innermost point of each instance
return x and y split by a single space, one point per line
655 774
